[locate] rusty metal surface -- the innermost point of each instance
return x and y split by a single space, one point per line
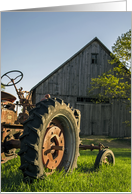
8 116
4 159
46 97
7 97
10 131
53 147
92 147
11 125
25 97
9 140
13 143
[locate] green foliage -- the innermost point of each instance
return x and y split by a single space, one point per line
116 83
113 87
2 87
122 50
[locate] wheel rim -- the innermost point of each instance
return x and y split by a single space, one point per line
53 145
108 160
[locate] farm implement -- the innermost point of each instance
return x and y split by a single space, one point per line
47 133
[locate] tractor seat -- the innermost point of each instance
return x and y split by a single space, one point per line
7 97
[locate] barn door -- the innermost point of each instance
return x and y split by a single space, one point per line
95 118
105 118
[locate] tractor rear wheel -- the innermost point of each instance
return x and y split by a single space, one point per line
50 139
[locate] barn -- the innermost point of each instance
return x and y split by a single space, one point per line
71 81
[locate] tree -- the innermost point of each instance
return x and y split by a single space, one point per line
122 50
116 83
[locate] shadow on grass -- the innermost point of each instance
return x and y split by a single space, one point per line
85 169
11 182
11 176
123 141
88 153
126 141
124 154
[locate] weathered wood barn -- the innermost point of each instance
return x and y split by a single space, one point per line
71 82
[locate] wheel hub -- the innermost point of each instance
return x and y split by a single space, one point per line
53 147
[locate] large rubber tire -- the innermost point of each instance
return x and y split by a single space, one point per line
106 157
47 115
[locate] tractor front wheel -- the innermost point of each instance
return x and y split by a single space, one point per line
106 157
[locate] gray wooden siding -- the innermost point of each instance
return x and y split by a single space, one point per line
120 114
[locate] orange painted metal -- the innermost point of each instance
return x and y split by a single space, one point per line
53 147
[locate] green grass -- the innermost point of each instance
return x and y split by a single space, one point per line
83 179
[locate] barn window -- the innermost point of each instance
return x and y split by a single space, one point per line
94 58
91 100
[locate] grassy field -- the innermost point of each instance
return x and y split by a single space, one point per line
83 179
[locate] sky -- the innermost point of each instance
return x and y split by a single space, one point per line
36 43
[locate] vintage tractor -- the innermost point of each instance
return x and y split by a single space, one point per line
47 133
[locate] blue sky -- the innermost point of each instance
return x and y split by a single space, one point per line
36 43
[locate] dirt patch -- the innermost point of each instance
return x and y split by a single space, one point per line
107 141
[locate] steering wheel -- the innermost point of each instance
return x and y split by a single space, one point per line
11 82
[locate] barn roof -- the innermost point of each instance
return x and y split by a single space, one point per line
93 40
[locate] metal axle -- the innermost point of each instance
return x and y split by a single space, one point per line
92 147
